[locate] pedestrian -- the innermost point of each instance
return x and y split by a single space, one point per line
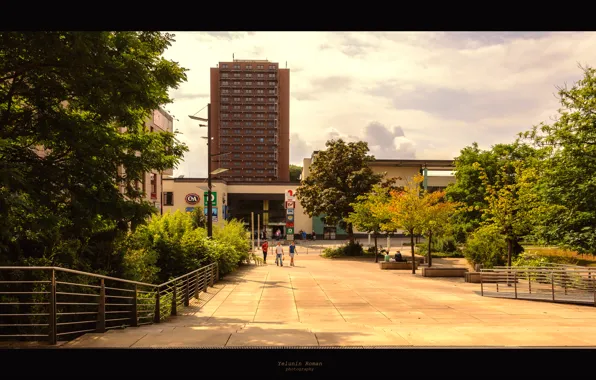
314 236
292 252
278 234
279 251
265 247
303 234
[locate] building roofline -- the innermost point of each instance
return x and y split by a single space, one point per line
165 113
412 162
232 183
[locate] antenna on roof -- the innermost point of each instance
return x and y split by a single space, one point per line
286 64
232 56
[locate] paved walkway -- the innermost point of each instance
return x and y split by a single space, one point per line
323 302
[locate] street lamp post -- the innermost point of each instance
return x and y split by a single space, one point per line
209 173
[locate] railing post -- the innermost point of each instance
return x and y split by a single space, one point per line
529 281
211 275
565 283
187 293
216 271
197 284
134 318
156 314
205 283
174 312
481 285
53 326
101 312
515 283
594 290
552 282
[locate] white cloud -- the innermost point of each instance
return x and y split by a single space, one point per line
444 90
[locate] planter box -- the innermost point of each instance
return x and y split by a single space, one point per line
443 272
472 277
398 265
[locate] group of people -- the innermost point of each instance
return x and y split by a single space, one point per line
279 253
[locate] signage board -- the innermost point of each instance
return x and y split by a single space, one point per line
290 231
290 204
189 209
290 195
192 198
290 224
213 198
290 211
213 211
290 218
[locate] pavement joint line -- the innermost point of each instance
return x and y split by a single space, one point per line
294 296
324 292
137 341
261 296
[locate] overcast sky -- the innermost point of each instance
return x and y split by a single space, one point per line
409 95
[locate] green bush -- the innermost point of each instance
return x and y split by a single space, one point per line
486 246
532 259
171 245
441 247
350 249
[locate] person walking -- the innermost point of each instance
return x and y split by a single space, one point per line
314 236
278 234
265 247
279 251
303 234
292 252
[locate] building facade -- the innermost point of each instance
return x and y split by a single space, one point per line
263 203
152 182
250 121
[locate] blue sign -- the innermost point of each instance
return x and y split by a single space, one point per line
190 209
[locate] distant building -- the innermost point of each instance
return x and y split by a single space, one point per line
266 200
250 119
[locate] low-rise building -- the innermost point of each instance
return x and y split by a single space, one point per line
263 205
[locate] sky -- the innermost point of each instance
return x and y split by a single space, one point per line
422 95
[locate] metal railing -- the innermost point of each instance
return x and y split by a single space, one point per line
56 303
556 283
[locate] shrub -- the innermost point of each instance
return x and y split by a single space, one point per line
486 246
534 259
350 249
441 247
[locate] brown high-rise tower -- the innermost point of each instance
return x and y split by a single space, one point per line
250 118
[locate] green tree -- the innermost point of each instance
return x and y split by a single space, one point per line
295 173
470 190
405 211
364 217
511 203
338 175
568 181
73 107
436 214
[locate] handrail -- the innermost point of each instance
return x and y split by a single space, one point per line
571 284
57 303
73 271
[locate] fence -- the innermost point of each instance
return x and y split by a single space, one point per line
60 304
556 283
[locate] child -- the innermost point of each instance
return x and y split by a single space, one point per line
265 247
279 251
292 252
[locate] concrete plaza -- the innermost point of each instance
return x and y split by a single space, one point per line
351 302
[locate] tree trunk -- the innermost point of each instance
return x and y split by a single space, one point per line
413 257
429 256
509 251
350 233
376 249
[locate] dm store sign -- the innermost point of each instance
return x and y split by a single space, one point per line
192 198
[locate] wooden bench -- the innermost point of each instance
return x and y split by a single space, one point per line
443 272
397 265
